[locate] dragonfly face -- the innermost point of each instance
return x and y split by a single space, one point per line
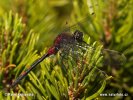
78 36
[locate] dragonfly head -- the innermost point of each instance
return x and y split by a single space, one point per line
78 36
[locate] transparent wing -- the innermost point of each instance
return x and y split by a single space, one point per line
113 58
79 24
110 57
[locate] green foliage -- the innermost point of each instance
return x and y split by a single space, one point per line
60 77
14 50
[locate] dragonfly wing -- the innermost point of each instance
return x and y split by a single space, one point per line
79 24
110 57
113 58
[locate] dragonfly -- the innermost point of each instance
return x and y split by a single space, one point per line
64 42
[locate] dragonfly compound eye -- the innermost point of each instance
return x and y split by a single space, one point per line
78 35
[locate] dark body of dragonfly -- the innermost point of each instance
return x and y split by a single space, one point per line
59 43
63 41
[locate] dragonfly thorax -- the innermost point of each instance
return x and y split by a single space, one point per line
66 41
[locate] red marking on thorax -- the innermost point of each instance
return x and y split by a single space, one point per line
57 42
51 51
58 39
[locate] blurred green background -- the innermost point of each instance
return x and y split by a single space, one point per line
109 21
